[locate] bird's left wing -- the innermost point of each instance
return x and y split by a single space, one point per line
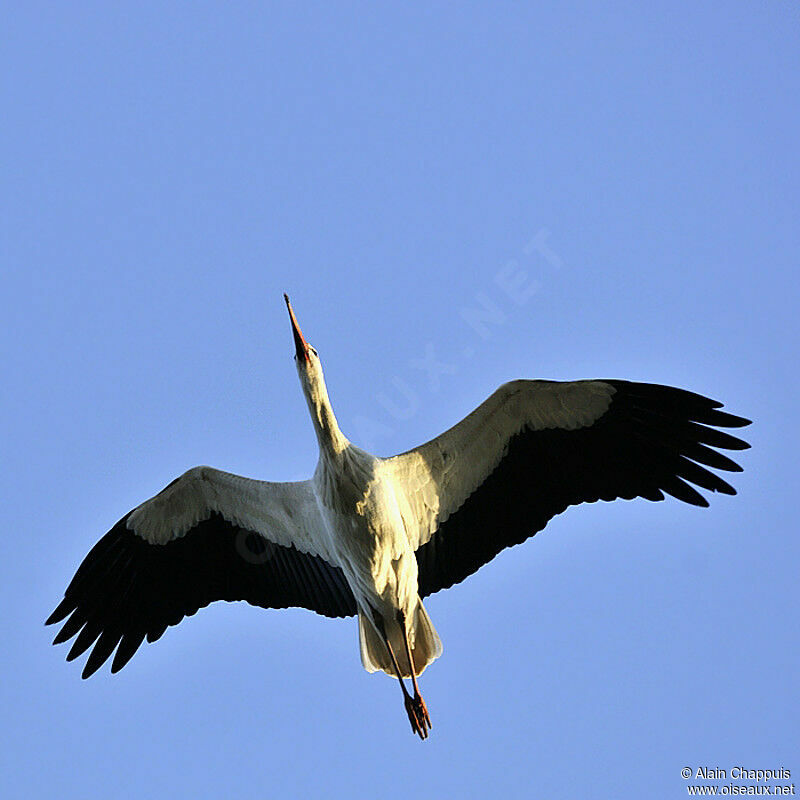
209 535
535 447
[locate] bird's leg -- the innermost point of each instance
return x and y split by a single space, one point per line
418 723
419 704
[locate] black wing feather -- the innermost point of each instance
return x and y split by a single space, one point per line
652 440
127 589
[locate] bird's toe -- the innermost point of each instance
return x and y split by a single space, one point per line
421 710
418 719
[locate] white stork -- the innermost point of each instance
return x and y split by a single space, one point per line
372 536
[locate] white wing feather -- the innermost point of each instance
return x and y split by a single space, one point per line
433 480
283 513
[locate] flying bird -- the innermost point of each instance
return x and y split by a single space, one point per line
372 536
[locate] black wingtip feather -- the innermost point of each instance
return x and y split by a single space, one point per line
716 438
86 638
71 627
127 647
102 649
64 608
723 419
681 490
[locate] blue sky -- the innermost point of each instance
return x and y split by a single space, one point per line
170 169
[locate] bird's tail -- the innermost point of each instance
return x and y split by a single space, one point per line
426 646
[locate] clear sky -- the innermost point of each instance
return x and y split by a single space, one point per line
169 169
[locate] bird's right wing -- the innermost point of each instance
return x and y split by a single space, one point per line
209 535
535 447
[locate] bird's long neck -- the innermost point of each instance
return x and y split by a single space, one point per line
331 440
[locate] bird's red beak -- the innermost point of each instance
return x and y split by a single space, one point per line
299 340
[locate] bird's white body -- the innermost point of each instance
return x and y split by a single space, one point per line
372 541
366 534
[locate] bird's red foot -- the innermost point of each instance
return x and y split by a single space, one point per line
418 715
422 710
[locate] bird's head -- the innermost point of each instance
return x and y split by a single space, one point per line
306 358
309 369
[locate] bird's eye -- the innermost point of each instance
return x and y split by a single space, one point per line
313 351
